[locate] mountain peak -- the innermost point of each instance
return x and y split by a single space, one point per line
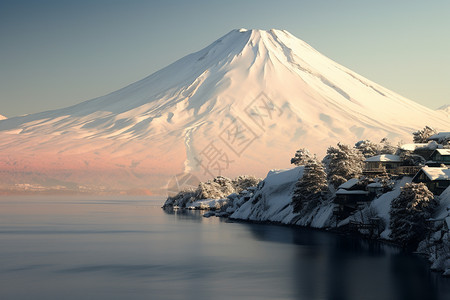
274 34
255 30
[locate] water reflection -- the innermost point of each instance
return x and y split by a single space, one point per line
192 215
334 266
413 280
184 214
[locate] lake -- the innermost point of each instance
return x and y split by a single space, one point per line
129 248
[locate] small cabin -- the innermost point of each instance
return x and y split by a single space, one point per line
349 196
436 179
439 156
380 164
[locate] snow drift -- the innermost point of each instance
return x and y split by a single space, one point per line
243 104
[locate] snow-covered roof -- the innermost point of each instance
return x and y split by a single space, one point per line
347 192
437 173
349 184
443 151
412 147
439 136
384 158
375 185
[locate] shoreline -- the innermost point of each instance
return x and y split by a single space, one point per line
333 230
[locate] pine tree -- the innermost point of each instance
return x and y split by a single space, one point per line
410 159
219 187
243 182
368 148
409 212
301 157
343 163
386 147
421 136
310 188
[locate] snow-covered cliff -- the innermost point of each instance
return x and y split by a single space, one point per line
271 202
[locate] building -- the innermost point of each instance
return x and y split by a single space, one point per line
349 197
439 156
436 179
380 164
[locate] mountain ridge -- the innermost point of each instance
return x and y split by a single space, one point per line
445 109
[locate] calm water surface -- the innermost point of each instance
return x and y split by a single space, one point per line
129 248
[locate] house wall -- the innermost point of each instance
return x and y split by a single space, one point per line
440 158
379 166
435 186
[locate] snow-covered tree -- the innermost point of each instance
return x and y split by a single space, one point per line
409 212
310 189
343 163
243 182
386 147
422 135
301 157
218 188
181 199
368 148
221 187
410 159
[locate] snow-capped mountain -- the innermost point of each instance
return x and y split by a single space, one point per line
243 104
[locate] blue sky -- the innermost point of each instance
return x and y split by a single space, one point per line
55 53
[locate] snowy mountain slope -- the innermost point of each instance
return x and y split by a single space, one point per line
444 109
2 117
253 97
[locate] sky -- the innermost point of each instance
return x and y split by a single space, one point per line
57 53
